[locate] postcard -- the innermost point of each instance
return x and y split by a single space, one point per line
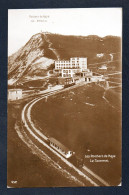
64 97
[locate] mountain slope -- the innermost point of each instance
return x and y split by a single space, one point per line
89 46
31 59
42 49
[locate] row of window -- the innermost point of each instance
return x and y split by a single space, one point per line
66 75
58 148
63 66
67 66
66 71
72 59
70 64
62 62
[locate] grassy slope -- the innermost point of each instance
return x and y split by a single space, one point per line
80 126
72 46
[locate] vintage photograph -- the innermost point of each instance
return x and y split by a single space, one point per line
64 97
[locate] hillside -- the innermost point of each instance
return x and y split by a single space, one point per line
39 53
87 46
31 60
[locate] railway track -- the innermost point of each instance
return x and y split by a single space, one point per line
84 173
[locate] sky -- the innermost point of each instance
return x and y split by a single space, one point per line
24 23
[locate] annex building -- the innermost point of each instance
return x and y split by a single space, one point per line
14 94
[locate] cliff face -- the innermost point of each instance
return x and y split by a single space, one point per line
31 59
42 49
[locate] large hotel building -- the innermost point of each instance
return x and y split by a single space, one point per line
69 68
73 63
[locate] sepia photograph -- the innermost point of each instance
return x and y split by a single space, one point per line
64 125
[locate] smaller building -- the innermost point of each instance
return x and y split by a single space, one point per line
86 73
65 80
69 72
88 78
14 94
103 67
100 55
97 78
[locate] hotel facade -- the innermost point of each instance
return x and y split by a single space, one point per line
71 67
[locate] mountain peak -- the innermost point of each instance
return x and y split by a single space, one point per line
43 48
